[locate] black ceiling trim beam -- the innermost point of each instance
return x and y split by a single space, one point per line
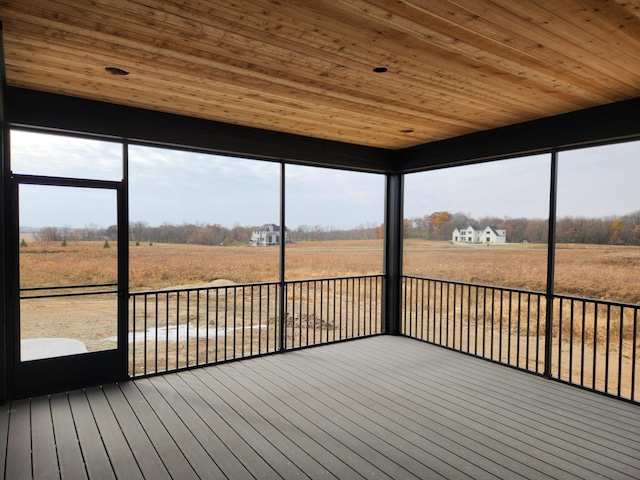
71 114
597 125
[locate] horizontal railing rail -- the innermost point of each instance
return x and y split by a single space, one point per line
88 290
183 328
593 342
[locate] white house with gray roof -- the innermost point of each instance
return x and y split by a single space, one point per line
475 234
268 234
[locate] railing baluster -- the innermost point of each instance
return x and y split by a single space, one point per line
560 315
177 328
538 336
571 341
455 311
217 323
528 336
131 341
582 341
595 345
207 320
166 333
620 346
518 330
155 297
145 334
607 351
634 356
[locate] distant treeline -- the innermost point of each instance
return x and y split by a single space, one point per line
199 234
216 234
623 230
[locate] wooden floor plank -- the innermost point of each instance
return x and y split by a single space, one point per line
505 446
272 431
294 403
45 457
143 450
380 408
160 397
19 441
119 451
169 452
535 412
244 421
570 453
67 444
199 418
213 411
4 434
389 450
93 450
289 423
432 444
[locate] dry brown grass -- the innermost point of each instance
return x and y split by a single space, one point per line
591 271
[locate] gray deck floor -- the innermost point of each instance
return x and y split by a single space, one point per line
382 407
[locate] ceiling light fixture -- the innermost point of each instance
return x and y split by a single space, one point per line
116 71
380 69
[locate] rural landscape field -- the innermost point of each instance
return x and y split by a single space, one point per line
606 272
587 271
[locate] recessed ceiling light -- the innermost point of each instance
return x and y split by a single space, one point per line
116 71
380 69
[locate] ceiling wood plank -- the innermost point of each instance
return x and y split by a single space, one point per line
455 67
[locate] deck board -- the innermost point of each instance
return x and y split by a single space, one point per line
378 408
161 398
216 414
4 431
248 425
143 450
67 441
165 446
44 456
94 454
122 459
19 441
505 441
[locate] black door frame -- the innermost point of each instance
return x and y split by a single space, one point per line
36 377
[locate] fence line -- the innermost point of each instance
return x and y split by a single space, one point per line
593 345
175 329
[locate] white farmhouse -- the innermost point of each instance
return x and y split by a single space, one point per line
268 234
474 234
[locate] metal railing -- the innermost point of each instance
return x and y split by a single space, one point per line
593 343
176 329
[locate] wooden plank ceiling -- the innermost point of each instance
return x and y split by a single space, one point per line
307 66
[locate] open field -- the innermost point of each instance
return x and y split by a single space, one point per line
588 271
591 271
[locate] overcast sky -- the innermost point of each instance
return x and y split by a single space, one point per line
179 187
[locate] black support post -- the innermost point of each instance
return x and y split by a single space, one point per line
393 230
283 238
123 265
551 261
4 156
